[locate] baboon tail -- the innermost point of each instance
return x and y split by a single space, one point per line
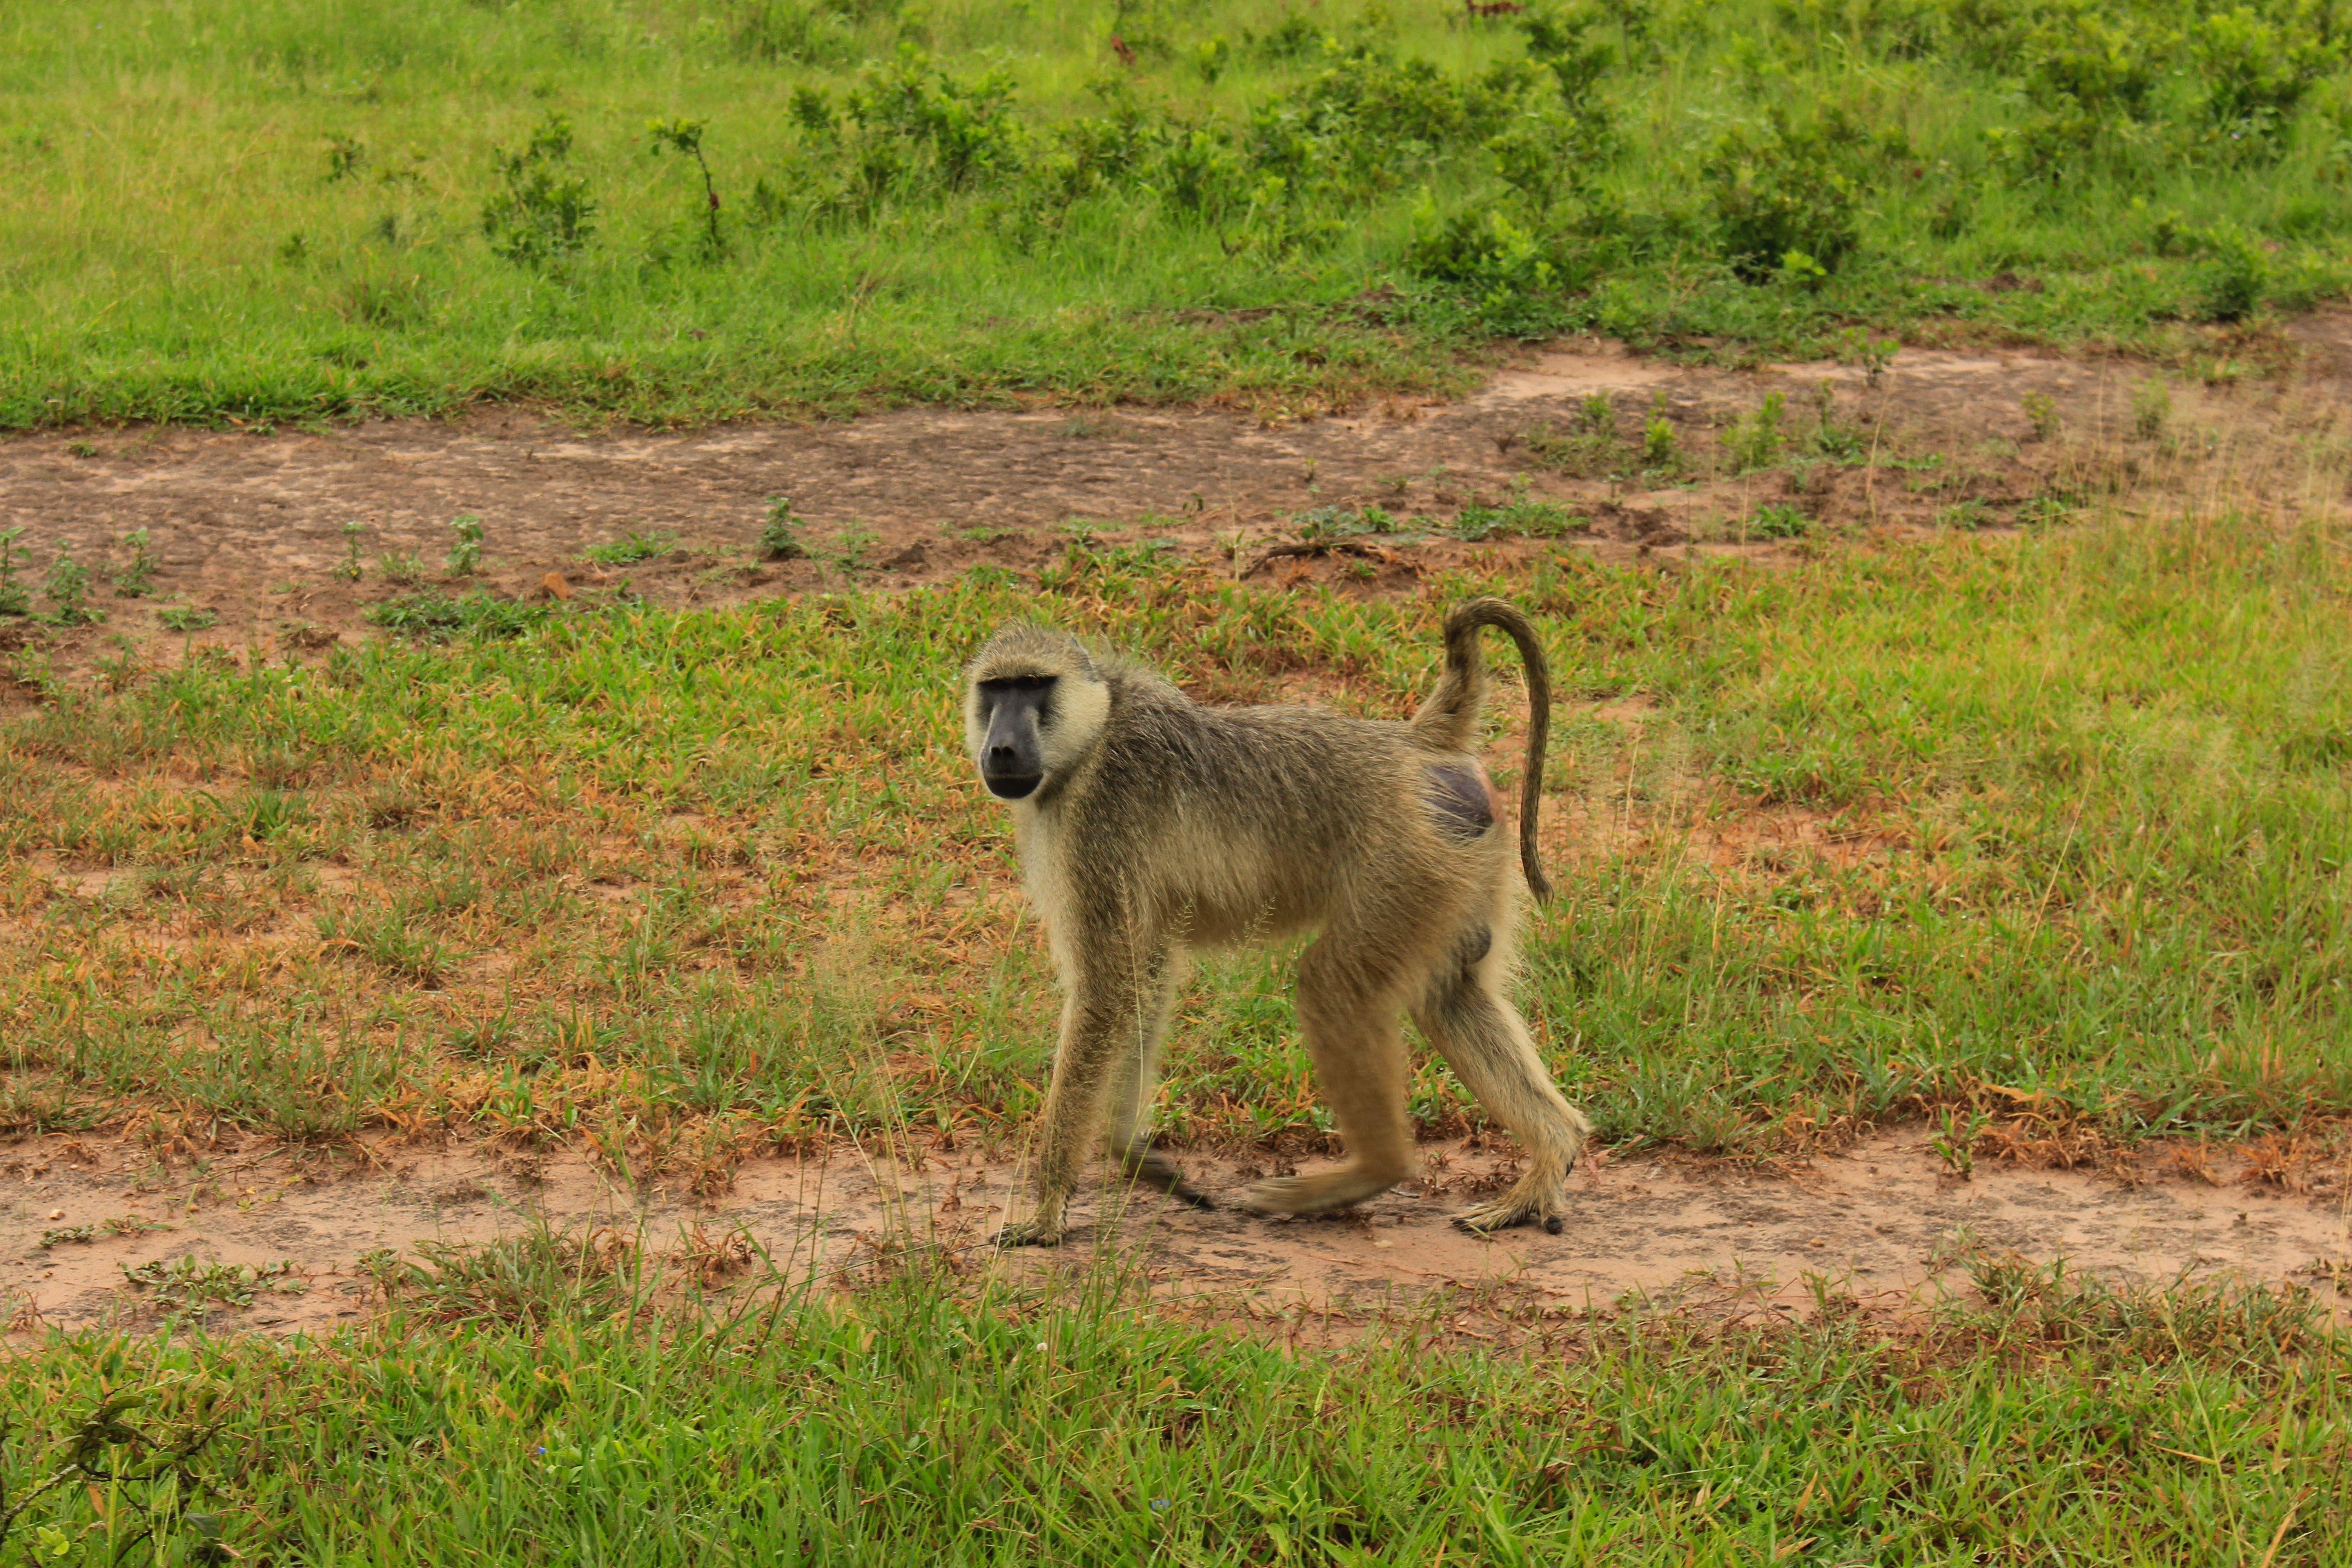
1445 721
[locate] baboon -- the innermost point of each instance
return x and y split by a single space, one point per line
1149 825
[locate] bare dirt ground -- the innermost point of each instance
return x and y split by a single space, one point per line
1885 1221
251 527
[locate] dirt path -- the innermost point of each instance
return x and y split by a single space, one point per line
250 526
1883 1219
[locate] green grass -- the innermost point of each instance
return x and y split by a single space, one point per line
528 1405
2062 816
261 211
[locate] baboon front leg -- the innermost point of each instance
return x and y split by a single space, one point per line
1111 1012
1353 1038
1131 1095
1484 1041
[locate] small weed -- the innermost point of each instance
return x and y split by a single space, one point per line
14 600
465 557
851 542
345 156
533 1278
1972 514
1779 519
186 619
1838 442
2151 409
135 576
1589 449
2042 413
1755 441
67 588
2047 509
120 670
631 548
402 570
81 448
1954 1140
1660 453
64 1234
389 939
780 534
349 568
32 670
1856 346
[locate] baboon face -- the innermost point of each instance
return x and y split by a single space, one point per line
1034 705
1014 714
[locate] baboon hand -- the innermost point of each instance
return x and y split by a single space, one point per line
1153 1169
1029 1233
1505 1212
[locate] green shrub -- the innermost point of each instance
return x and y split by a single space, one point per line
1508 271
543 214
1788 198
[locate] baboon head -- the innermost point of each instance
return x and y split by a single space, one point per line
1033 703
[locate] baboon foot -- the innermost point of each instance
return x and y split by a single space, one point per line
1514 1207
1152 1169
1029 1233
1318 1194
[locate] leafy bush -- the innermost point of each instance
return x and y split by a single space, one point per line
2256 72
1788 198
543 214
1508 271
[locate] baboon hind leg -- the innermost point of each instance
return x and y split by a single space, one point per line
1484 1041
1131 1093
1354 1039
